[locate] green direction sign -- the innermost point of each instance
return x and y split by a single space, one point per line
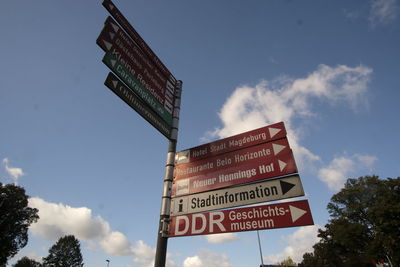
136 86
115 85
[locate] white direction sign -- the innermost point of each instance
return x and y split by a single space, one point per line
269 190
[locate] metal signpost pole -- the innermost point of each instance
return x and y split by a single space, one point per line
259 246
162 239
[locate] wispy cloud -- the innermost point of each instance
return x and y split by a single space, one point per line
351 14
300 242
207 258
339 169
13 172
383 12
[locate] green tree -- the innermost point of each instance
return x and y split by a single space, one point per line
287 262
27 262
15 218
364 225
65 253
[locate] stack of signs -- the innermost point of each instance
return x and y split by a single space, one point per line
249 168
139 77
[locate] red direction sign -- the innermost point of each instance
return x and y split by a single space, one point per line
279 165
256 153
120 18
240 141
282 215
112 39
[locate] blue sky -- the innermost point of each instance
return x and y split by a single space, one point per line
94 168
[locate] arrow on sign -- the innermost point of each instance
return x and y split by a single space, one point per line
115 27
285 186
277 148
296 213
107 44
282 165
273 131
113 61
238 196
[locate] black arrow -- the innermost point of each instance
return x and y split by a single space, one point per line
286 186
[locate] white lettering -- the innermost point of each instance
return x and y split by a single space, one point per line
185 219
194 223
217 222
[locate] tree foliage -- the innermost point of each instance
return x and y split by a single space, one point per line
65 253
27 262
364 225
15 218
287 262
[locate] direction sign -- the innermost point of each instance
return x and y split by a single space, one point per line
282 215
113 39
256 153
119 17
269 190
121 69
240 141
279 165
115 85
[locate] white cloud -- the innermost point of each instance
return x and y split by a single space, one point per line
222 238
116 243
383 12
14 172
194 261
339 169
287 99
57 220
144 255
207 258
300 242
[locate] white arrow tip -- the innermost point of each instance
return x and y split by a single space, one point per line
273 131
113 61
115 27
282 165
277 148
115 83
296 213
107 44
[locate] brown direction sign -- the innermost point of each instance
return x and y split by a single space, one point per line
240 141
279 165
113 39
282 215
223 161
115 85
120 18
